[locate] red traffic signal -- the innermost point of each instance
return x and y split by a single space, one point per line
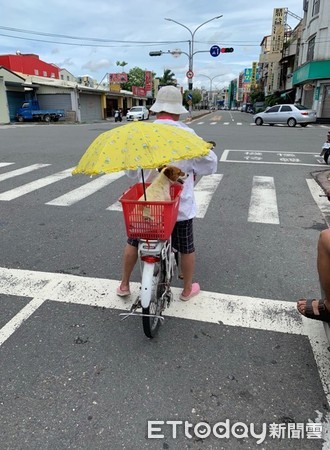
227 50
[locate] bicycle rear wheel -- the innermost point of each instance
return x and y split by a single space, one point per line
150 322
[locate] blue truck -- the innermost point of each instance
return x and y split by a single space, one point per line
30 110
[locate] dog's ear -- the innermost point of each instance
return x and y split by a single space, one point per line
168 172
161 168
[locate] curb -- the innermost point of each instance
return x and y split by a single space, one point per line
322 177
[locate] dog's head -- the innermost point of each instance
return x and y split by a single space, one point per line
174 174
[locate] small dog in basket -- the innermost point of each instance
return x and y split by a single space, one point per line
159 189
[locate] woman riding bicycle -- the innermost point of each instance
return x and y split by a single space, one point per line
168 107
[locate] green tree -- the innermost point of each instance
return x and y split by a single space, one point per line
121 63
257 95
168 78
136 77
196 97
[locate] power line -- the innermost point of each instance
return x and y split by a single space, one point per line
125 43
19 30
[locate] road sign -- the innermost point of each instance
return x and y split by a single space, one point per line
189 96
176 52
190 74
215 50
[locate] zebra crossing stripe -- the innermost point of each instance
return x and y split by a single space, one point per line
16 173
115 207
35 185
86 190
263 204
204 191
3 164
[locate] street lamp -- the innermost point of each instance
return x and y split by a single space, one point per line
191 49
211 79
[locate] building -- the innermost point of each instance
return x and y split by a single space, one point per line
312 77
24 77
29 64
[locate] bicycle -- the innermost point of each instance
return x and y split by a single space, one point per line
156 256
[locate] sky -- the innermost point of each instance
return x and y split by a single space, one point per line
89 37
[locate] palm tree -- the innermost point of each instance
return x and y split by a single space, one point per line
168 78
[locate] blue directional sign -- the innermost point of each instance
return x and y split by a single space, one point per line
215 50
189 96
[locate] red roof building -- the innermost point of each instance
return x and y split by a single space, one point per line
29 64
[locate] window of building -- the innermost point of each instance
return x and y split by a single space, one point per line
44 73
316 7
62 77
68 78
36 71
310 49
52 75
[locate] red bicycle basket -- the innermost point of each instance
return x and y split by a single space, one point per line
149 220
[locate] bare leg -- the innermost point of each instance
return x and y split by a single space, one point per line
129 261
187 267
323 268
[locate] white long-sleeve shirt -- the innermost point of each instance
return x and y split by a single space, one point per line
205 165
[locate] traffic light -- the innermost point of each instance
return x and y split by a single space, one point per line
159 53
227 50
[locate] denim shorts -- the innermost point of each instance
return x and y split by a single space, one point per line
182 237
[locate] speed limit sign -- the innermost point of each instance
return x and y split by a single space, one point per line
190 74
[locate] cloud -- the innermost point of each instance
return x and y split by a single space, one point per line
94 66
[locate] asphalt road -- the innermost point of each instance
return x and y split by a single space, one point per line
74 376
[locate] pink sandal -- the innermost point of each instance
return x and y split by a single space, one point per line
195 290
122 293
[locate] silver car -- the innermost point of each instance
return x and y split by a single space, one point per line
138 113
288 114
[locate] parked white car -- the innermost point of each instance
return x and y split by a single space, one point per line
138 113
289 114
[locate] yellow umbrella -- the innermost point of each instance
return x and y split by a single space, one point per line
140 145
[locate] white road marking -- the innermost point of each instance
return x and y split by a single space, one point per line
225 155
34 185
11 326
86 190
200 123
322 202
226 123
115 207
212 307
263 203
239 123
4 164
204 191
17 172
213 123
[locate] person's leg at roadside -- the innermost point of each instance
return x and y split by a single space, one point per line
129 261
188 268
183 241
316 307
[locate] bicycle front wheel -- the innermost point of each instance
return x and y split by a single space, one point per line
150 318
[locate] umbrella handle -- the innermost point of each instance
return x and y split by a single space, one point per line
144 186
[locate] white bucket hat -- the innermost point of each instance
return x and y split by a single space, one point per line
169 99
